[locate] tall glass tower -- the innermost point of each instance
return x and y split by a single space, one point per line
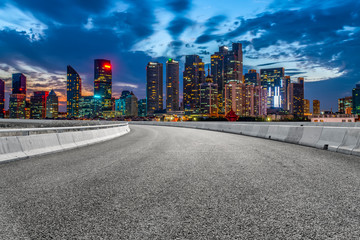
154 87
73 88
172 85
103 83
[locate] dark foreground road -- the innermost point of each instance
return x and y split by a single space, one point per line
175 183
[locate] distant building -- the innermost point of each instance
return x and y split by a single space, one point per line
2 98
235 98
103 83
38 105
260 101
89 107
209 97
316 107
73 90
307 107
252 78
154 87
142 108
120 104
296 98
356 99
193 77
273 80
345 105
52 105
172 85
18 83
227 65
131 103
17 105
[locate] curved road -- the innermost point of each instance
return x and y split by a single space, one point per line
177 183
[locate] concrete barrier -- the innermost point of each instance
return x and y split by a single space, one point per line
278 133
331 138
17 147
350 144
311 136
295 134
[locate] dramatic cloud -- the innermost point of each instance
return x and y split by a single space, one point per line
318 40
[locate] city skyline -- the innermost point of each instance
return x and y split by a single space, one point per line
306 39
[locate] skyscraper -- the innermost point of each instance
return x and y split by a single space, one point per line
235 94
154 87
89 107
209 97
2 98
226 66
296 99
316 107
73 89
18 83
52 105
356 99
17 106
131 105
142 107
306 107
252 78
345 105
103 83
38 105
172 85
193 77
273 80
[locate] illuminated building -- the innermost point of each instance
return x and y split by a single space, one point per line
252 78
307 107
296 98
38 105
172 85
73 90
52 105
273 80
193 77
226 66
154 87
120 104
2 98
260 101
89 107
142 108
316 107
17 105
209 97
103 83
345 105
285 92
356 99
131 105
18 83
27 109
235 94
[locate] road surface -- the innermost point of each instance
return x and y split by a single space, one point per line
177 183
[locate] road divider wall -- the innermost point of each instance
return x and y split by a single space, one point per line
334 137
17 147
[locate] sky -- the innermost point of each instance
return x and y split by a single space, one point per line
317 40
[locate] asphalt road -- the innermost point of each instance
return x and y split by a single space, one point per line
178 183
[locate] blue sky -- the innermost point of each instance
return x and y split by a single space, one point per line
318 40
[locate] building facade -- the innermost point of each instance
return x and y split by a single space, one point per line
296 98
89 107
154 87
103 83
131 105
142 107
307 107
52 105
172 85
252 78
273 80
193 77
345 105
209 97
73 92
38 105
17 106
18 83
356 99
316 107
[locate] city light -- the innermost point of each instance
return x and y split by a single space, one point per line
107 66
